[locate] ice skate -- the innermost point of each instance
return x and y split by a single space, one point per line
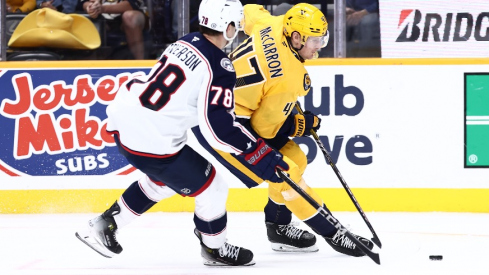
343 244
288 238
226 255
100 233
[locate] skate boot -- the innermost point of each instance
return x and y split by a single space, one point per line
343 244
226 255
100 234
288 238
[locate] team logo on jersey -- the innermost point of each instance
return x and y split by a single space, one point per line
54 121
307 82
227 65
185 191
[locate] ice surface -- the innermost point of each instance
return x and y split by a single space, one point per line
164 243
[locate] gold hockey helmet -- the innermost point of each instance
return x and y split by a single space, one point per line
308 21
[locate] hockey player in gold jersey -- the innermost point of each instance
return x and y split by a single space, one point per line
270 77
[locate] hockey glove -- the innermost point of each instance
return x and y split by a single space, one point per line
304 124
264 160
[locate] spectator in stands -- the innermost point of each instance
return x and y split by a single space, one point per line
124 14
65 6
20 6
363 28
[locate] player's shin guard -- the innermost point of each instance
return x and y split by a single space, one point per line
101 231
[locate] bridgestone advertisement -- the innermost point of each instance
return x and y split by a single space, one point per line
423 28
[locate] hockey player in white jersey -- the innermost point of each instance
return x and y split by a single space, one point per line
191 85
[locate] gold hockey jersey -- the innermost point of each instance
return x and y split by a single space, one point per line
270 77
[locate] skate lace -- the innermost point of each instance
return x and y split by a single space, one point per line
229 250
291 231
344 241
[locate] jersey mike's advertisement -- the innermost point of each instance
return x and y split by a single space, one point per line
422 28
53 121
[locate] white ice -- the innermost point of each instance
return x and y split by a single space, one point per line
164 243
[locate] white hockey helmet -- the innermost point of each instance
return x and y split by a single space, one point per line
218 14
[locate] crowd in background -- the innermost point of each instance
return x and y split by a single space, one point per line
138 29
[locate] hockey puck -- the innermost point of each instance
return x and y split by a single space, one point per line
436 257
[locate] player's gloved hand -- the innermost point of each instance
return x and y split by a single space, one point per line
304 124
313 122
264 160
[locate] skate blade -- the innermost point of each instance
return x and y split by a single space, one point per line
93 244
219 264
288 248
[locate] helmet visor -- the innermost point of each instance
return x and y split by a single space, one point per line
318 41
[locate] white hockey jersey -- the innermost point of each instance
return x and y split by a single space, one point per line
192 84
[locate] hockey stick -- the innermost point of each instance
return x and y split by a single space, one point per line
329 160
341 229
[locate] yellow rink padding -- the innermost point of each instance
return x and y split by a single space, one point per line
370 199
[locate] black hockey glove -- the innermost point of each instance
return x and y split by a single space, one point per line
264 160
304 124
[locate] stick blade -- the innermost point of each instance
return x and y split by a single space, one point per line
375 257
376 241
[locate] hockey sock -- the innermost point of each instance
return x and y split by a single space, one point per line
139 198
277 213
320 225
210 216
